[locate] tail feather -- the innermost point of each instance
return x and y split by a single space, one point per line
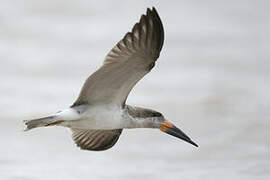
45 121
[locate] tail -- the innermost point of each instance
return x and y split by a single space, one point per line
41 122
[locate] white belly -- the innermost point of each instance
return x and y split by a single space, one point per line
98 117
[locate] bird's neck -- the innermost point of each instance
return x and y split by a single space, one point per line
138 122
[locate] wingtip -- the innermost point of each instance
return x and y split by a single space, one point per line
153 9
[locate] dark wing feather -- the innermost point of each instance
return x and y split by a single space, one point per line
95 140
132 58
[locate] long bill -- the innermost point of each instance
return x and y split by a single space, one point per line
169 128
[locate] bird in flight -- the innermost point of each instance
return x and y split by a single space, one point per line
100 113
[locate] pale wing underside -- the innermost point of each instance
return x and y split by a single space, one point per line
95 140
132 58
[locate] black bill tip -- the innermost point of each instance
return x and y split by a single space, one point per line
169 128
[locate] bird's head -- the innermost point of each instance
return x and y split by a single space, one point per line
153 119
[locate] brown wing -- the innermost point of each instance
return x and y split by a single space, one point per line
132 58
95 140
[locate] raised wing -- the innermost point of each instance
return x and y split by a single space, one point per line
132 58
95 140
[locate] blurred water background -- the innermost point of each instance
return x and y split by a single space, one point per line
212 80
